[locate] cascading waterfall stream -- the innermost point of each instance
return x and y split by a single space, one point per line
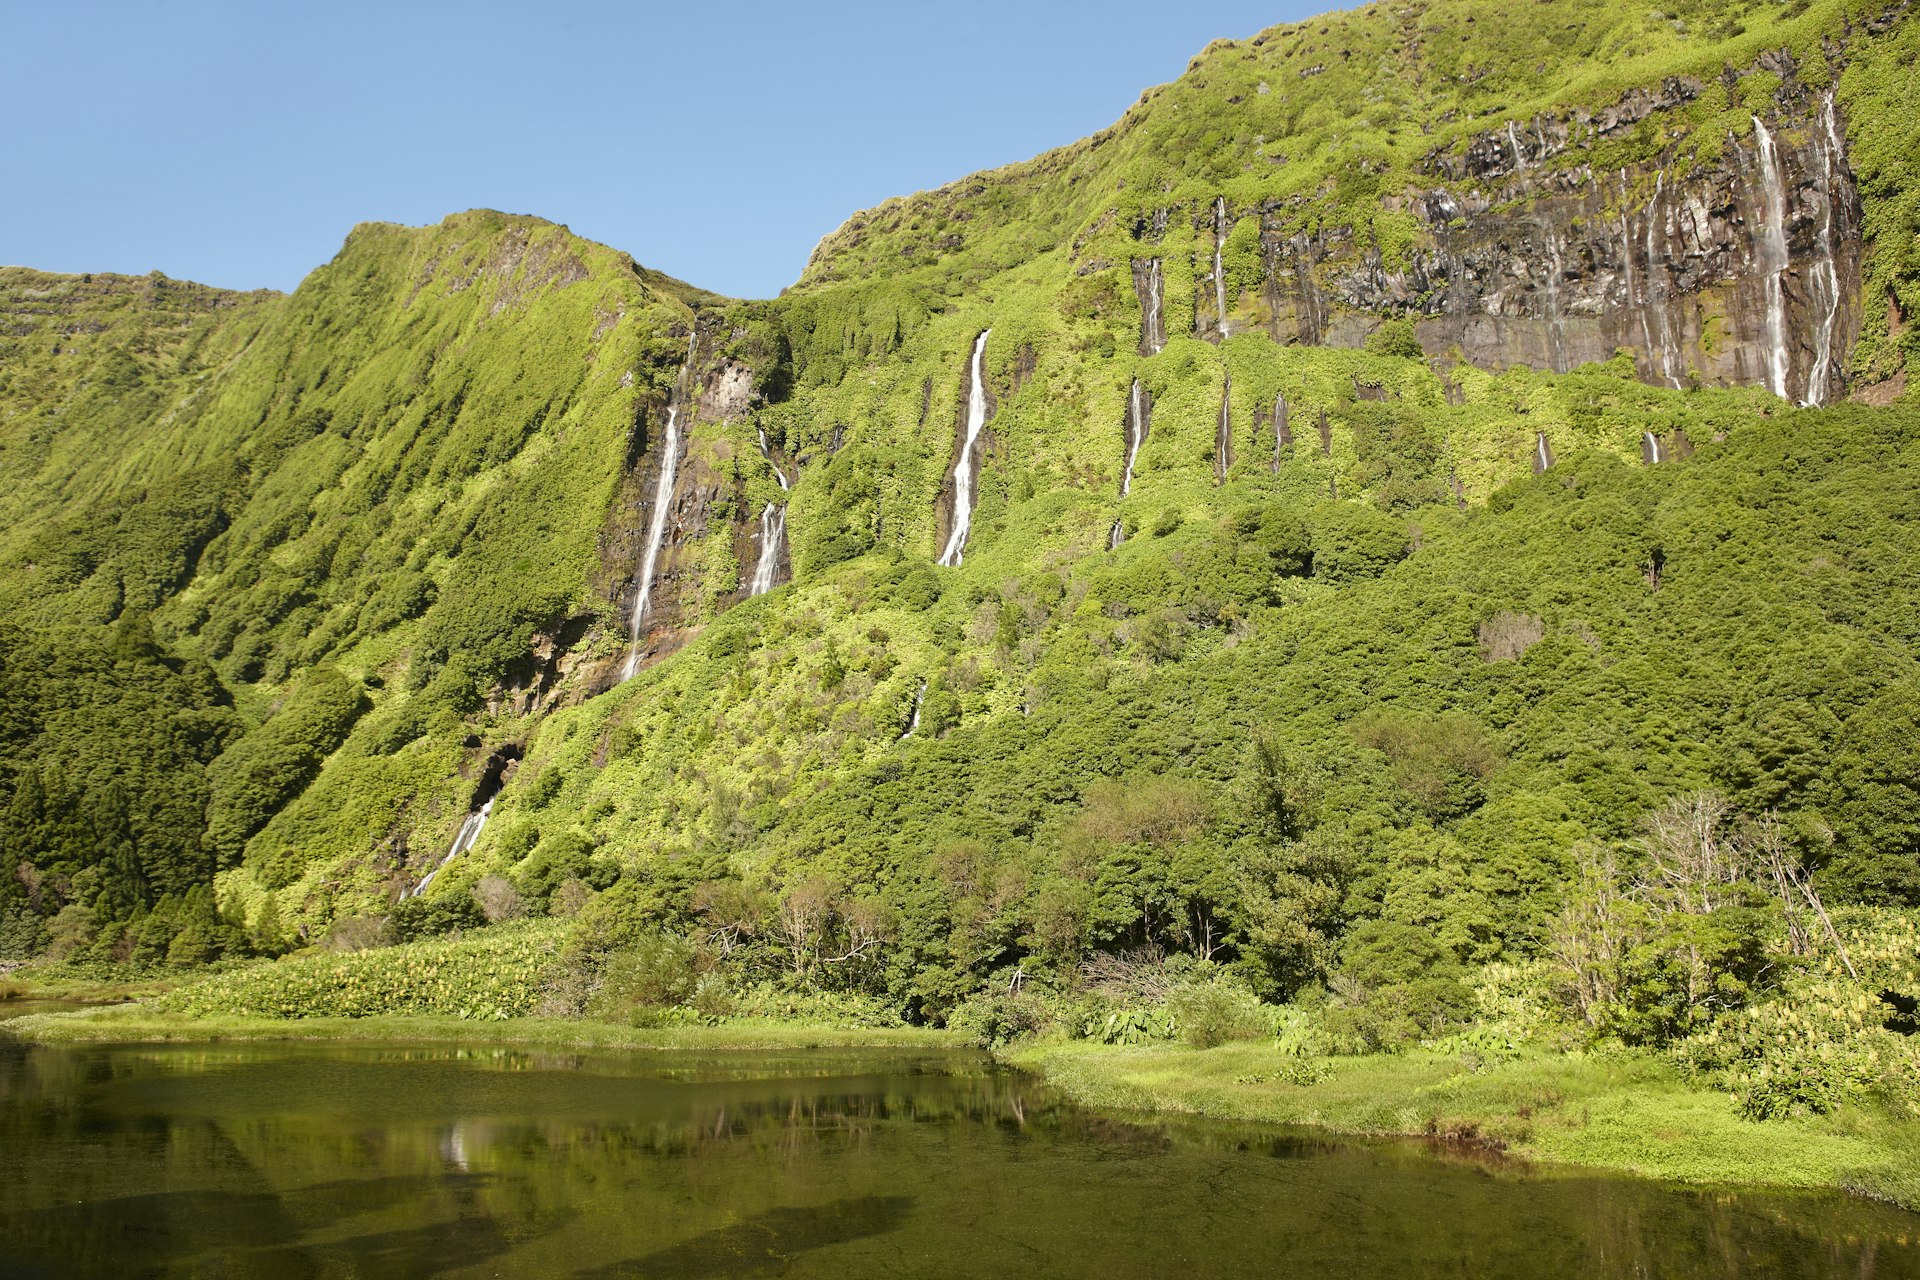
1155 337
1136 432
657 525
1223 433
1770 252
1282 429
964 469
1650 449
1654 313
1542 455
656 534
1219 264
1634 296
1825 277
773 531
913 720
469 833
1519 155
1556 267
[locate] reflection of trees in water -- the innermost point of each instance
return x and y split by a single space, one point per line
141 1159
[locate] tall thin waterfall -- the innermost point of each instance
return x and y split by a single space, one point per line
1542 455
965 469
1519 156
1634 298
1825 278
773 531
1154 325
1223 433
1116 536
1136 433
657 524
1654 314
1770 252
1282 429
913 720
469 832
1650 449
1556 267
1626 267
1219 263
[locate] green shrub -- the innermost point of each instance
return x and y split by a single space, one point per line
657 972
1206 1014
993 1019
1395 338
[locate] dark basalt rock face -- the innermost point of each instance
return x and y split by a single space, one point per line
1532 257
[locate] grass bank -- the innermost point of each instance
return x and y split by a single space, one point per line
133 1024
43 985
1627 1113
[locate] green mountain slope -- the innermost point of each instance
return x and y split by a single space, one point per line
1389 487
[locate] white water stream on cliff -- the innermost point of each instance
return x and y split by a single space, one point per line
1650 449
964 469
1155 337
1660 340
657 524
1223 433
1556 328
1825 277
1770 254
913 721
469 833
656 534
773 531
1136 432
1282 430
1219 263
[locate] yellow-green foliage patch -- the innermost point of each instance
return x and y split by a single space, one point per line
494 973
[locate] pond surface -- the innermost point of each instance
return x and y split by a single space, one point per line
367 1161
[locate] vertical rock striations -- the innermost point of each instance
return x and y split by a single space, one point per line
1744 270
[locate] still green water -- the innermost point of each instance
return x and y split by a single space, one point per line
364 1161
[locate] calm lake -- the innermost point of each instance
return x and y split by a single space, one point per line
368 1161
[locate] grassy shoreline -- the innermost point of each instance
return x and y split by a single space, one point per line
132 1024
1628 1113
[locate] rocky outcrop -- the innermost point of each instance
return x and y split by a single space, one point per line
1744 271
725 392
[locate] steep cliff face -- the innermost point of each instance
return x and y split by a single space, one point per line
1741 272
1687 188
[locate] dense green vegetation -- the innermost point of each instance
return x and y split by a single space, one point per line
1370 741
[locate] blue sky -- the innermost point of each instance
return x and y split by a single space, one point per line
236 144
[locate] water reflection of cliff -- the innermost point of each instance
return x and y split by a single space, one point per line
256 1160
